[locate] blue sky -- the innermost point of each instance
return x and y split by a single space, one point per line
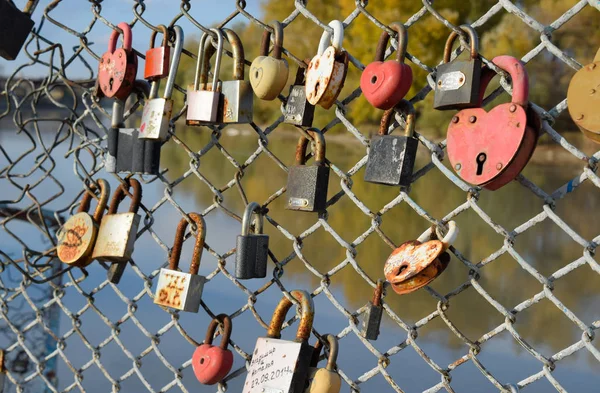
77 15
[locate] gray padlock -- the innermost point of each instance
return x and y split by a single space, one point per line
307 184
391 157
372 318
298 111
252 248
157 111
202 104
15 26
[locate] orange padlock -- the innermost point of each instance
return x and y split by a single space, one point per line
157 58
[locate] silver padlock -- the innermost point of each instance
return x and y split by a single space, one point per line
178 290
203 105
157 111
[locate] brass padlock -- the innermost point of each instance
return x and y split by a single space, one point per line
117 234
178 290
76 238
327 70
458 82
583 98
325 380
269 74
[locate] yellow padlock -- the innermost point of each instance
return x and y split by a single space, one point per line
583 98
324 380
269 74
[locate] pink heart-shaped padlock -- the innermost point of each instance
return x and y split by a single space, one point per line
212 363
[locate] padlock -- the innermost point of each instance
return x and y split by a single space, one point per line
327 70
417 263
298 111
324 380
2 370
118 67
458 82
178 290
392 157
372 319
252 248
268 75
583 98
307 184
211 363
157 111
126 151
15 26
280 365
490 149
157 58
385 84
118 231
203 105
76 238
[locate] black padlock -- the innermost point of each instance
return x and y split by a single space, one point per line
392 157
372 318
15 26
307 184
458 82
298 111
252 248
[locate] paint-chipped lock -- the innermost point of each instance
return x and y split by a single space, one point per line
417 263
583 98
118 67
324 380
282 365
327 70
178 290
76 238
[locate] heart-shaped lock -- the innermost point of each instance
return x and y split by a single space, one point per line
269 74
490 149
118 67
211 363
385 84
416 263
327 70
583 98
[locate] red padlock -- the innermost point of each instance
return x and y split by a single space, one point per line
210 363
157 59
490 149
385 84
118 67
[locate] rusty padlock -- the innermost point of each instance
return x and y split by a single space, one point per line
374 313
385 84
490 149
178 290
212 363
269 74
327 70
458 82
583 98
416 263
157 58
77 237
118 67
298 111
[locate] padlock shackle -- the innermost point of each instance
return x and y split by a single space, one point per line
336 41
320 147
277 42
447 240
178 49
473 38
164 32
386 119
30 7
333 352
252 208
306 320
402 42
203 62
84 207
114 36
519 76
212 328
238 54
118 112
378 293
198 246
119 195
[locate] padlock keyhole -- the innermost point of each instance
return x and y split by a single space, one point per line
481 157
374 79
110 83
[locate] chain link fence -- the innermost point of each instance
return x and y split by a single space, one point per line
38 291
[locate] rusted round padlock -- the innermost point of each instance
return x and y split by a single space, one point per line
583 98
416 263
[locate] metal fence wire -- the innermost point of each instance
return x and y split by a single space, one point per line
35 287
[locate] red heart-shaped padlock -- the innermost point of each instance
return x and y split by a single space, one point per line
211 363
385 84
118 67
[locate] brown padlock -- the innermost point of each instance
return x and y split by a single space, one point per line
157 58
583 98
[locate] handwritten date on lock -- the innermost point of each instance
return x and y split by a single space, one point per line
264 369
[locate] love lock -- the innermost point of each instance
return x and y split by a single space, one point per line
212 363
583 98
417 263
490 149
268 75
118 67
157 58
